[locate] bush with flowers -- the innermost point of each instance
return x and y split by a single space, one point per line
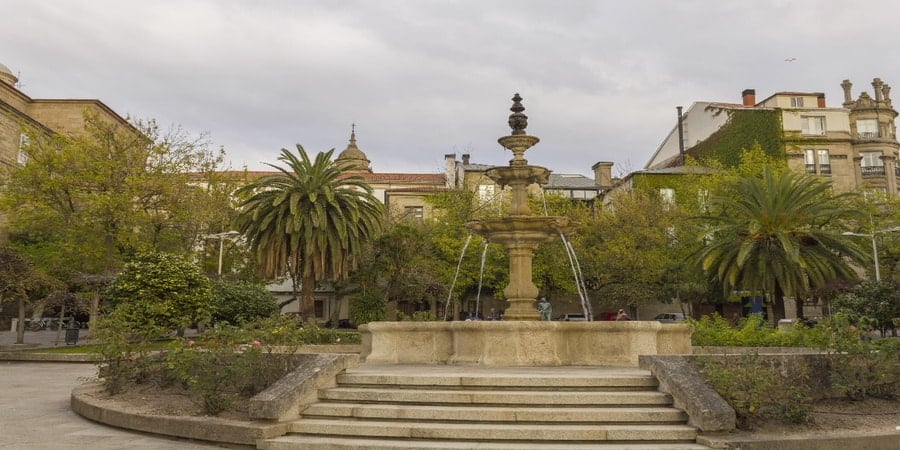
224 365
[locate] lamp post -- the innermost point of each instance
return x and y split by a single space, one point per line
874 245
221 237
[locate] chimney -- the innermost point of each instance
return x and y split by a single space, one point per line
749 96
876 85
821 99
887 94
846 85
465 157
450 170
603 173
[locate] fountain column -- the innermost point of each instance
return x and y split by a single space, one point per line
519 232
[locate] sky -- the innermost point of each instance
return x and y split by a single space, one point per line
601 80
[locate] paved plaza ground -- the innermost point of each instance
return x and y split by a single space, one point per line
34 399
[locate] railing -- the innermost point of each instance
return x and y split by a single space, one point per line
810 168
825 169
867 135
872 171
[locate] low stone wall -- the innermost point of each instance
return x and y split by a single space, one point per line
521 343
677 377
285 399
205 428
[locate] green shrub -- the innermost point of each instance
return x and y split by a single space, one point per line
860 367
225 365
241 302
161 289
369 306
751 331
757 391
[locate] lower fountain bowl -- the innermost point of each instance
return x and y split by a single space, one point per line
521 343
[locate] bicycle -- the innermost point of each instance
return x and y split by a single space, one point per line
37 324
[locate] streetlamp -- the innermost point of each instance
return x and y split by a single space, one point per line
874 245
221 237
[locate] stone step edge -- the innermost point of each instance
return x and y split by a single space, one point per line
529 382
518 414
494 432
498 398
306 442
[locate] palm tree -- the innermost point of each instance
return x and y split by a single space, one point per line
776 236
309 221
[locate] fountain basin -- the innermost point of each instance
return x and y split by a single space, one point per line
521 343
535 229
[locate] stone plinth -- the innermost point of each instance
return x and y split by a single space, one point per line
521 343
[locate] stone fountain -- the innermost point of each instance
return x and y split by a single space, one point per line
520 232
520 339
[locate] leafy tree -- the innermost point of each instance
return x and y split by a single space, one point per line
241 302
874 303
15 273
83 204
309 221
449 236
632 244
160 289
775 234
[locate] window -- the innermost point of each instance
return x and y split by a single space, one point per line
871 164
796 102
810 160
486 193
703 200
824 162
416 213
812 125
667 195
817 161
24 140
867 128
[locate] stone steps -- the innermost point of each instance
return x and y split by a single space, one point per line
433 407
664 415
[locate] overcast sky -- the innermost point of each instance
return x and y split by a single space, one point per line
421 79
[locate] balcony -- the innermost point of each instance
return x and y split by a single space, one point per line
867 135
872 171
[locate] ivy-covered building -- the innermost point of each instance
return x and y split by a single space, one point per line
854 145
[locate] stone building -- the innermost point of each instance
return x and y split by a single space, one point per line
18 112
854 145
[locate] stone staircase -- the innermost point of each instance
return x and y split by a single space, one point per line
456 407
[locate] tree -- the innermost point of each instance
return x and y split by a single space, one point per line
632 244
162 290
15 273
777 235
309 221
83 204
241 302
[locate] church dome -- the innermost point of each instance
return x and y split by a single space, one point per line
7 76
352 158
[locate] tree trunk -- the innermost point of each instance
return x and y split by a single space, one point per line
20 329
777 306
798 304
95 306
308 299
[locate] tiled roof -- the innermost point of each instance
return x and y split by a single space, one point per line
571 181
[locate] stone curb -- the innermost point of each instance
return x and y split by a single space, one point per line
212 429
820 441
25 355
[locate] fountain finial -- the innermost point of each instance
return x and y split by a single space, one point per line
517 120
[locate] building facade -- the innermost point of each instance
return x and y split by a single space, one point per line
854 145
19 112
